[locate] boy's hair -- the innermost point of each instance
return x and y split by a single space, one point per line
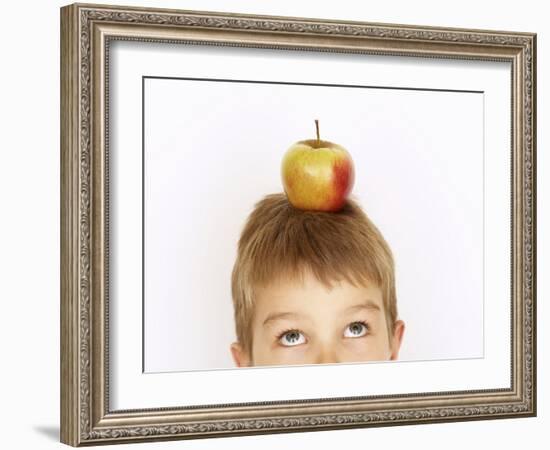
280 241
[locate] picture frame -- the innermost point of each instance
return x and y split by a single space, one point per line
94 368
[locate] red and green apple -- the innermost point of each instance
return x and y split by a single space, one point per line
317 174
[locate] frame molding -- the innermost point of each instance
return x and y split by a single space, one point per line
86 31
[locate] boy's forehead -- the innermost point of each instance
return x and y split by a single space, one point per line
293 292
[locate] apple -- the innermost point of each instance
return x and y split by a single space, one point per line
317 175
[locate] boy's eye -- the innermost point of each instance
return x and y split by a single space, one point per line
291 338
356 329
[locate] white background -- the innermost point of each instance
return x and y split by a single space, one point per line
29 177
131 389
213 149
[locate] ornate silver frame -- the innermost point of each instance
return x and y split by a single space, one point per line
86 31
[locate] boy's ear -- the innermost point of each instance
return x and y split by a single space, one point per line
397 338
239 355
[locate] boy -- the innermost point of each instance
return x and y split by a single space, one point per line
313 287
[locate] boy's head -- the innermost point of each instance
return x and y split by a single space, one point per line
313 287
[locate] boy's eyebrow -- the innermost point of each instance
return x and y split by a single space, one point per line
281 315
367 304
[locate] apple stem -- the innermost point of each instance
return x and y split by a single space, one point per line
317 126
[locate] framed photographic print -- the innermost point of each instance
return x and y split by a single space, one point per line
282 224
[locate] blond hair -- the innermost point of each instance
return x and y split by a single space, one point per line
280 241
